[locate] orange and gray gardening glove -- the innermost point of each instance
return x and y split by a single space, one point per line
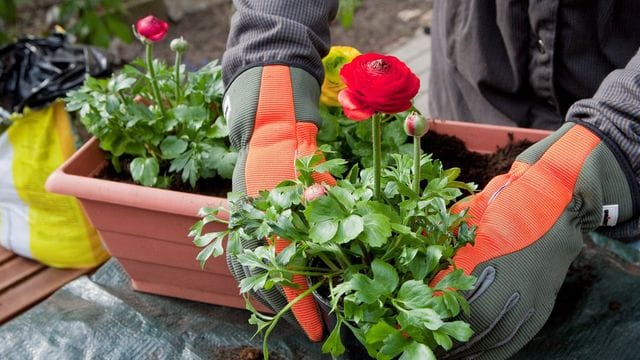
273 118
530 226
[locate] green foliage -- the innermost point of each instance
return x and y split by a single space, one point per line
93 22
375 259
346 9
188 142
352 139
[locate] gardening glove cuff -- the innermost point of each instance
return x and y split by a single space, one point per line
531 223
273 118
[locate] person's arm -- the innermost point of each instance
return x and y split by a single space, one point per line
288 32
614 114
531 221
272 71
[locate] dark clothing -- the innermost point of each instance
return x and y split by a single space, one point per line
524 63
521 63
290 32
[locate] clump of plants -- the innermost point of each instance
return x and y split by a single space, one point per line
373 246
160 123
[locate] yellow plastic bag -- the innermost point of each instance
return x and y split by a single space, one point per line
34 223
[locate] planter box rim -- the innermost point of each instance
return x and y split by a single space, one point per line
476 136
67 180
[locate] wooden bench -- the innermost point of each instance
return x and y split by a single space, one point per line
24 283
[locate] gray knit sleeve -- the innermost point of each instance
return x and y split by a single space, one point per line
291 32
614 113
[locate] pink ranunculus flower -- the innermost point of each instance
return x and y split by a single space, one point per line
151 28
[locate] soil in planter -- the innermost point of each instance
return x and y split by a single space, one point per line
216 186
474 167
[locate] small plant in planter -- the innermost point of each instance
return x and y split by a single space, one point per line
162 124
372 245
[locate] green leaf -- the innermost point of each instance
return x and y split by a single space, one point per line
451 302
349 229
365 288
219 129
416 350
334 167
433 256
330 130
284 257
333 343
144 170
378 332
385 276
458 330
323 209
204 255
172 147
443 339
323 231
414 294
456 280
254 282
395 344
285 196
344 197
420 318
377 230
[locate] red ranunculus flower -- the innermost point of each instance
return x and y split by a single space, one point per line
152 28
376 83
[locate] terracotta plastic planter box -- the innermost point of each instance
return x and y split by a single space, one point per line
145 229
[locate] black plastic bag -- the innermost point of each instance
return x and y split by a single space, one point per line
36 71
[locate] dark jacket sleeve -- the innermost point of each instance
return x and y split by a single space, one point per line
614 113
291 32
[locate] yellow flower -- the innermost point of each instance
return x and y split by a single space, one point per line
333 62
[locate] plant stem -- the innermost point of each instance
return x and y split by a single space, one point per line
152 75
416 164
365 254
377 152
276 318
328 262
177 66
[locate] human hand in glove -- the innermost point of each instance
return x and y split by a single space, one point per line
530 226
273 119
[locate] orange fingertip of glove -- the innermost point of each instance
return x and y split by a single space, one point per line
305 310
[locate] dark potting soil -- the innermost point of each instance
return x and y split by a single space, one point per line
474 167
216 186
451 151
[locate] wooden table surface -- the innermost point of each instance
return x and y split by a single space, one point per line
24 283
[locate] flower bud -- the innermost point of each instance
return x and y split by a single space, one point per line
179 45
314 191
151 28
416 125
